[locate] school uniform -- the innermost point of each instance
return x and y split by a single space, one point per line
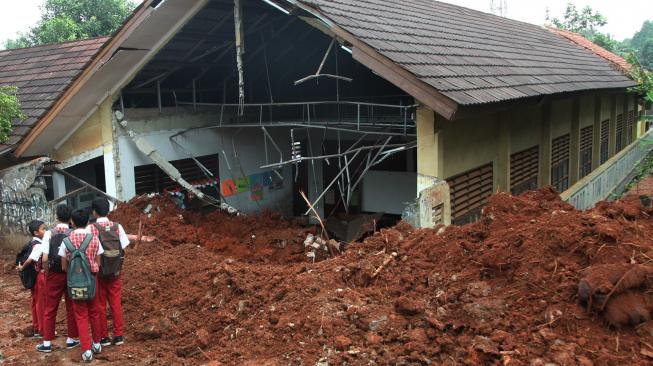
55 288
109 290
86 312
38 291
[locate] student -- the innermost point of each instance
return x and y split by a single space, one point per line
113 240
37 230
55 283
85 312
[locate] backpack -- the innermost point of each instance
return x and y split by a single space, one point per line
54 260
80 280
113 256
28 274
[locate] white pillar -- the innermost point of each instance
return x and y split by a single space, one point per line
109 172
58 185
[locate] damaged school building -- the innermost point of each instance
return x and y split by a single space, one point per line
418 108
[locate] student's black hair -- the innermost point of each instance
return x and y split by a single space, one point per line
63 212
34 226
101 206
80 218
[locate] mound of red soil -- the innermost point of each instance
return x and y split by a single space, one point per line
264 237
500 291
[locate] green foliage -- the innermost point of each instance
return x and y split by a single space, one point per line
643 35
586 22
643 170
642 76
642 43
68 20
646 54
9 111
606 41
583 21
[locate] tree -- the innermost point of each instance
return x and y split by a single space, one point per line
642 77
9 111
646 54
643 35
584 21
68 20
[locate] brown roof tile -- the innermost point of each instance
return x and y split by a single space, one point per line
42 74
470 56
619 62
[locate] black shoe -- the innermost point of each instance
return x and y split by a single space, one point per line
106 341
43 348
96 348
37 336
71 345
118 340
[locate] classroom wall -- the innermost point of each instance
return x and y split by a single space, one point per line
241 151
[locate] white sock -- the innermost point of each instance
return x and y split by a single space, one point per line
69 340
46 343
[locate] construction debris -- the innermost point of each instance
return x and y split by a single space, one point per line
504 290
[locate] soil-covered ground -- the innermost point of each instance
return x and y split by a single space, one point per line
240 290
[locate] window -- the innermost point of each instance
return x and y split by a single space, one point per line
630 121
524 170
586 150
150 178
469 193
605 140
560 163
619 134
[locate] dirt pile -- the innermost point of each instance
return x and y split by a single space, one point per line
264 237
503 290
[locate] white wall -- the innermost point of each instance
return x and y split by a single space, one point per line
388 192
243 161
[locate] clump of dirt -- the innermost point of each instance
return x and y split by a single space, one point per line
504 290
265 237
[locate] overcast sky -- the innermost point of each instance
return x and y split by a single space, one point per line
625 17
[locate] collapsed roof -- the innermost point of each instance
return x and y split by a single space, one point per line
447 57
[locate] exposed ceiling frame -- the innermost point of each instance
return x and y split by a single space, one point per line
382 65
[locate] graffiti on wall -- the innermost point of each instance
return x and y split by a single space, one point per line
255 185
22 196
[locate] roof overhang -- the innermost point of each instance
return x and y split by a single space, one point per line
135 43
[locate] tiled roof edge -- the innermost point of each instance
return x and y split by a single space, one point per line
616 61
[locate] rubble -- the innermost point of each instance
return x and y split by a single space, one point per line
510 289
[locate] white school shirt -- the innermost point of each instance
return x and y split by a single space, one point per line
62 247
37 250
48 235
124 240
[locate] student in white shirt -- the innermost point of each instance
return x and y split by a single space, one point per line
37 229
56 283
113 241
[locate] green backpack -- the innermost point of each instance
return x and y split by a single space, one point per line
81 282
